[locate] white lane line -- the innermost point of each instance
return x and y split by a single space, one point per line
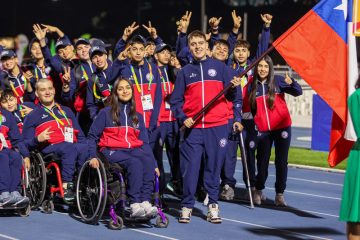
295 192
320 213
7 237
305 180
272 228
152 234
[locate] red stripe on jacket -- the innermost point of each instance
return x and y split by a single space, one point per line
120 137
166 115
5 130
137 95
58 131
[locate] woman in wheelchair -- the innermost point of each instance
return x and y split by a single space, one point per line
11 162
120 133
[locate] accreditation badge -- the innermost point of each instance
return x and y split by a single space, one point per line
69 134
146 102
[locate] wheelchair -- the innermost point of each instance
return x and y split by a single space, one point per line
106 186
45 180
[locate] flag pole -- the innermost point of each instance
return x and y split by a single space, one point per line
209 104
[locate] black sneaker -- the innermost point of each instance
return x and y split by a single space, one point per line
69 194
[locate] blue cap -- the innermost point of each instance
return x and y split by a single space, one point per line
161 47
98 42
82 41
7 53
138 39
97 48
62 42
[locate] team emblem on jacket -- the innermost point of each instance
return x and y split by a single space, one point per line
284 134
149 76
222 142
212 72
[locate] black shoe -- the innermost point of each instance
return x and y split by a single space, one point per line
69 195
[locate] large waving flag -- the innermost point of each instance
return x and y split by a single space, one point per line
319 48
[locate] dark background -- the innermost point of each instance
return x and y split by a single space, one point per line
107 19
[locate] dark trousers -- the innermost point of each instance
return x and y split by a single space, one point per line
281 139
140 168
10 170
211 141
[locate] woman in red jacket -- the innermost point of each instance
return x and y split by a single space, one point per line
272 118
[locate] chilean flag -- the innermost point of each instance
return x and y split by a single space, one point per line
322 50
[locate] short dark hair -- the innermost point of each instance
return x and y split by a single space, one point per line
222 42
6 94
196 33
242 43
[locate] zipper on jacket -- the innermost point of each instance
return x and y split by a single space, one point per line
126 125
266 112
142 93
203 93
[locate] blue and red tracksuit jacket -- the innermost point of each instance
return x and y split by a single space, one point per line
19 116
148 80
39 120
11 133
196 85
167 87
278 117
104 132
18 85
80 75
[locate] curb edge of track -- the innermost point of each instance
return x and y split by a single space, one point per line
311 167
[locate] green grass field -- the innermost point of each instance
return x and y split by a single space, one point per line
308 157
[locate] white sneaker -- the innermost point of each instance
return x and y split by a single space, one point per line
137 210
150 211
213 214
185 215
280 200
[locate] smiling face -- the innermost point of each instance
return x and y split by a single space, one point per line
9 63
124 91
220 52
9 103
66 53
100 60
82 50
263 70
198 47
36 51
45 91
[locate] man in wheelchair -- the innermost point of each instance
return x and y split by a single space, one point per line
52 128
11 162
120 133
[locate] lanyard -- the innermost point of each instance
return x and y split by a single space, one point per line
162 79
1 119
85 76
55 117
136 80
94 86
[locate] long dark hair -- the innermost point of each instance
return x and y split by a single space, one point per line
115 104
271 83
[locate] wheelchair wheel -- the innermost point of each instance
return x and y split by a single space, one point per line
36 181
91 192
160 223
48 206
25 212
118 225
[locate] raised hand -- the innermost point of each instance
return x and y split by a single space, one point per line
52 29
214 23
45 135
236 21
66 76
25 110
28 75
184 22
151 30
288 79
124 54
129 30
39 32
267 18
